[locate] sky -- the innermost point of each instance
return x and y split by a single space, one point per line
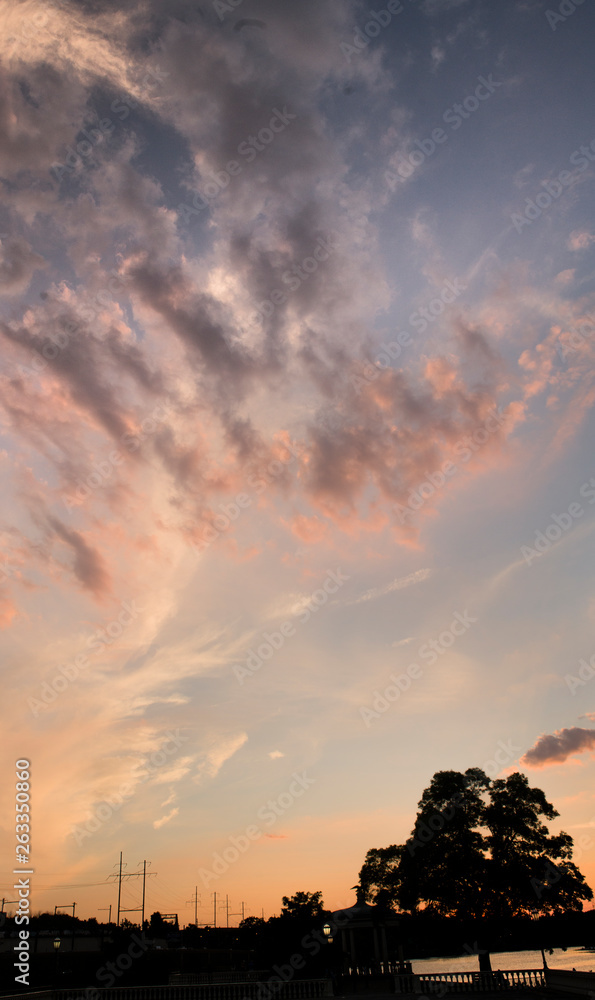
297 327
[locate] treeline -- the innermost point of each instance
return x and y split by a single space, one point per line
129 959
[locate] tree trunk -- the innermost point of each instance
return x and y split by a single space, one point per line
484 962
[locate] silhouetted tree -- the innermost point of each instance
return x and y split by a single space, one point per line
478 848
528 868
382 876
441 866
252 931
303 906
252 923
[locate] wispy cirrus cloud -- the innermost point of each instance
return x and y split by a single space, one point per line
401 583
158 823
214 759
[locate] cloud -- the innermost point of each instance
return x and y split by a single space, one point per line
18 263
248 22
169 316
558 747
275 754
162 308
158 823
438 55
88 565
176 772
580 239
8 611
214 759
401 583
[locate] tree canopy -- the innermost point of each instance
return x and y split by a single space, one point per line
478 848
303 906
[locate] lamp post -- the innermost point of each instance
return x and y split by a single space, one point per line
326 930
57 944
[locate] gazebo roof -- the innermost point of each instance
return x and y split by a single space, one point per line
362 914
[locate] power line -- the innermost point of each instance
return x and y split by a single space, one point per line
63 885
166 890
121 875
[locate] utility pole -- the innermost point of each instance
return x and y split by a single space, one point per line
109 919
242 913
194 899
142 924
122 874
214 909
119 890
227 911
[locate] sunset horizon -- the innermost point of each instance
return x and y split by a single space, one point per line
298 331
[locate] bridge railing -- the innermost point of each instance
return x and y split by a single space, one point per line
567 981
205 978
379 969
297 989
36 995
469 982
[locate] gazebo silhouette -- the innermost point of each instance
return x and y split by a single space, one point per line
368 936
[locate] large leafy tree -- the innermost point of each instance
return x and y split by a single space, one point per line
303 906
442 863
446 864
381 875
478 848
528 869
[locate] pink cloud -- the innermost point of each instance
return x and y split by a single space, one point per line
580 240
559 746
309 530
236 394
88 564
8 612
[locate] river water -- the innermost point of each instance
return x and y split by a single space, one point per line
572 958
